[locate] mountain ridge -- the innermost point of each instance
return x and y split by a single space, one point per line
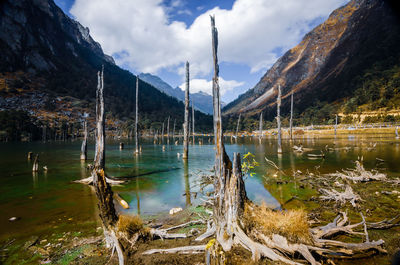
202 101
45 56
324 66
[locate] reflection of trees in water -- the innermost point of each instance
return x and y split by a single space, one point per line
137 188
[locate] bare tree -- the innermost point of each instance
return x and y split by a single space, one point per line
335 124
261 125
186 123
173 131
137 117
278 119
84 142
291 116
104 193
168 130
193 122
237 126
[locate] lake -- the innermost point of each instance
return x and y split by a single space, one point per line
48 201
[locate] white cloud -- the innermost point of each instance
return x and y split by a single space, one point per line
197 85
141 33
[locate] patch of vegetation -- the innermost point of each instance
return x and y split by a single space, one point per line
291 224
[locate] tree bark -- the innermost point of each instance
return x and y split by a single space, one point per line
291 116
84 142
99 157
137 117
278 119
186 123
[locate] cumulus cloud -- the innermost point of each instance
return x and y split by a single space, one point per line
197 85
140 33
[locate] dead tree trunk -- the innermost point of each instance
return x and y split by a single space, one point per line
291 116
162 132
137 117
335 124
186 123
35 167
261 125
84 142
168 130
278 119
193 121
230 194
104 193
237 126
173 131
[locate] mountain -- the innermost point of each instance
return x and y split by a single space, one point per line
202 101
349 63
48 66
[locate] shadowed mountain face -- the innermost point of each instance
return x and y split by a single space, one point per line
330 62
43 50
202 101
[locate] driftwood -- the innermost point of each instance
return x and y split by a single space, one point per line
341 197
186 117
89 181
278 119
298 149
180 250
121 201
359 174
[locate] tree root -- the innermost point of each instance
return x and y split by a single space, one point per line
359 174
210 231
89 181
341 197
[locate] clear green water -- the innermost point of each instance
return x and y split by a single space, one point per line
159 181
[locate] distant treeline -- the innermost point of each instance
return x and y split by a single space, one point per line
16 125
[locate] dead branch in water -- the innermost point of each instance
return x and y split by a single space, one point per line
341 197
359 174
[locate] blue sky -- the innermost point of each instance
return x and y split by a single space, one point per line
159 36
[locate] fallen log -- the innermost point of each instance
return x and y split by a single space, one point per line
181 250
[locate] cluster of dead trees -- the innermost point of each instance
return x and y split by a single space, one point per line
230 205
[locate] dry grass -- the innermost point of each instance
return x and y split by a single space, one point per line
291 224
130 224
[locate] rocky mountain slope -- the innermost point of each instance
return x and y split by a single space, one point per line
44 52
202 101
354 52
